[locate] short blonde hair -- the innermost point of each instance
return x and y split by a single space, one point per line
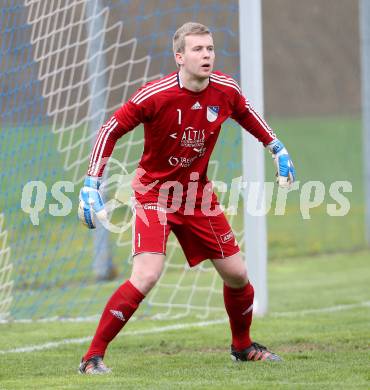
189 28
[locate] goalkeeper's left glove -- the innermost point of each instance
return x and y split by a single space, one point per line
91 203
285 169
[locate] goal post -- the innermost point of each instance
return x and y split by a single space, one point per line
102 262
251 77
364 16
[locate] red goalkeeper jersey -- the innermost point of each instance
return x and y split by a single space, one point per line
181 128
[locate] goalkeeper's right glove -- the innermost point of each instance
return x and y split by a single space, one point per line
286 174
91 202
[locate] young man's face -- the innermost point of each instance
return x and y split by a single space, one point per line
198 57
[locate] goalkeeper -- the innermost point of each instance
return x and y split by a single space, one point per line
182 115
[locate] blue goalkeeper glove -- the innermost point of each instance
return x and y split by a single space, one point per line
91 203
285 175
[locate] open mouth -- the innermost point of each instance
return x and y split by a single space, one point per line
206 66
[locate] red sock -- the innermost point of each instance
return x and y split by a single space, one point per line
118 310
239 307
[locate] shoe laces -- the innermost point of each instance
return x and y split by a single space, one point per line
259 347
96 361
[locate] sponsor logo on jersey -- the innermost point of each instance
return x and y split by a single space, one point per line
212 113
227 237
192 138
153 206
118 314
174 161
184 162
196 106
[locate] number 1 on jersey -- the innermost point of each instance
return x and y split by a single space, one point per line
179 118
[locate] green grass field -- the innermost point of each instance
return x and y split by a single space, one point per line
319 322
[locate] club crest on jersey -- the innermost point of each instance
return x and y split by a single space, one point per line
212 113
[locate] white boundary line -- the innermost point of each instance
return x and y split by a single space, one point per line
330 309
81 340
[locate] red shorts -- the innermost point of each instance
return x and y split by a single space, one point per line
201 237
